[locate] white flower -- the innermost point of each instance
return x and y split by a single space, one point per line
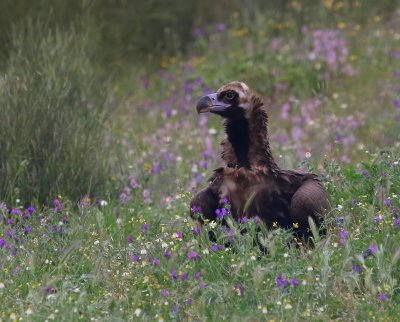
264 310
137 312
212 131
310 269
339 207
28 311
2 285
103 203
143 252
286 255
164 245
213 224
288 306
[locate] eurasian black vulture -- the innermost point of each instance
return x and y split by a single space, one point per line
250 178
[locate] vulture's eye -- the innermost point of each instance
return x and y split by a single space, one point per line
230 95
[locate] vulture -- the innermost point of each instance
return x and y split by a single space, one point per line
250 178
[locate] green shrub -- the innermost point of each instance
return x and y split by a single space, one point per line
53 116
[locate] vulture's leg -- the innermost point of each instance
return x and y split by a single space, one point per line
205 202
310 200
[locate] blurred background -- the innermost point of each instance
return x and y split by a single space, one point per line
98 95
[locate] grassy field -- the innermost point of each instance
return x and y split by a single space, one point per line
98 169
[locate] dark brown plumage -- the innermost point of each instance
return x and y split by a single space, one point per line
250 178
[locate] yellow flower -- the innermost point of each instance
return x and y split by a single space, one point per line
342 25
377 18
295 225
240 32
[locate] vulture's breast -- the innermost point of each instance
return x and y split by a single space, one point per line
240 185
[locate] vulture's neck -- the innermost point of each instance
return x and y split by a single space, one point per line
246 143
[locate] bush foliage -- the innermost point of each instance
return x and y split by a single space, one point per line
54 109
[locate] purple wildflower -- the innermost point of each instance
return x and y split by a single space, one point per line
2 242
175 308
382 297
340 221
133 183
135 258
27 230
215 247
343 235
183 276
64 219
58 205
220 26
281 282
188 301
48 289
198 32
9 233
179 234
130 239
165 293
192 255
156 168
30 209
387 202
396 222
196 209
174 274
14 251
167 254
356 269
196 231
378 219
85 201
373 249
124 198
16 211
239 289
3 207
146 196
156 262
10 222
243 220
202 285
294 282
366 174
145 227
197 275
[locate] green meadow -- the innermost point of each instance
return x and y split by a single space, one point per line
101 151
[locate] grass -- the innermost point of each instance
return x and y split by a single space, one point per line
146 262
55 117
102 242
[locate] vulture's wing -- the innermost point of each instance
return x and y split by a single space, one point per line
308 200
206 201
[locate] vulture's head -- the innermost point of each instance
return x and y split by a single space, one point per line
231 101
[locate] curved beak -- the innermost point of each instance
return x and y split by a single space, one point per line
210 103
